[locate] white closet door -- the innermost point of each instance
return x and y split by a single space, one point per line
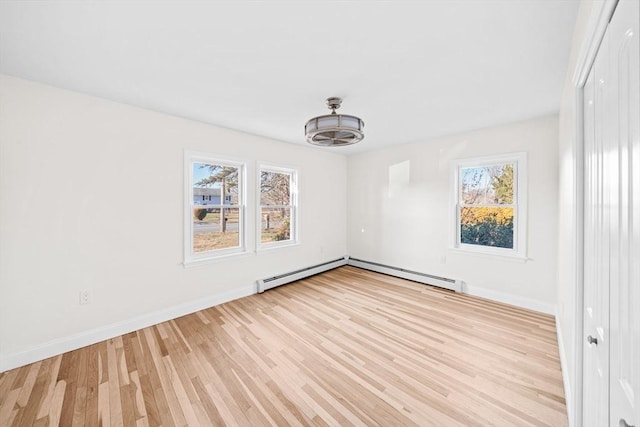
624 152
596 249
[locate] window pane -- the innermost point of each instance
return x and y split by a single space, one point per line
276 224
487 185
212 231
275 188
210 181
487 226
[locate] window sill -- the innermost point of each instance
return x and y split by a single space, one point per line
279 245
214 259
502 257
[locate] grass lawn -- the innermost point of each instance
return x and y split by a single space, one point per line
269 235
209 241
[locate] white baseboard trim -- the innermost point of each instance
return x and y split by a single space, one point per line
523 302
83 339
568 396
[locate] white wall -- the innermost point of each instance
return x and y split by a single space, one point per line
399 211
91 197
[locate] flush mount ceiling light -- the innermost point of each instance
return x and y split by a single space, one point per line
334 130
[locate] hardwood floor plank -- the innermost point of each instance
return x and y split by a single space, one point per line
55 408
181 395
115 400
213 414
6 383
104 399
154 400
346 347
29 381
80 405
8 406
91 407
149 399
31 394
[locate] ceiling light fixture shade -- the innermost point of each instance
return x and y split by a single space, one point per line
334 130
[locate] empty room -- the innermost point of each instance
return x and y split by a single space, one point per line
327 213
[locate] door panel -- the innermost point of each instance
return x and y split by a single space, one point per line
596 249
624 58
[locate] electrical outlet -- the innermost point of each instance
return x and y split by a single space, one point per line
85 297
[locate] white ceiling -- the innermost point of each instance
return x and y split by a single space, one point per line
412 70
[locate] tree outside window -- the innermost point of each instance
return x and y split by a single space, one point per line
277 205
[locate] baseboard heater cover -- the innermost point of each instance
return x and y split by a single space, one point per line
292 276
427 279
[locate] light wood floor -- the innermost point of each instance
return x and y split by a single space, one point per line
347 347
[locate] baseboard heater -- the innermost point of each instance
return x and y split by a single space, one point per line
427 279
272 282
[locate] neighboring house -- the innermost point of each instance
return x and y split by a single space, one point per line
208 196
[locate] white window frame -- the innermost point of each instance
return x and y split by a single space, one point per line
191 257
293 206
519 250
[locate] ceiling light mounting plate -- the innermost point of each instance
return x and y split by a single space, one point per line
334 103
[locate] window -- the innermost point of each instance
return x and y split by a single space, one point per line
277 215
215 207
490 208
